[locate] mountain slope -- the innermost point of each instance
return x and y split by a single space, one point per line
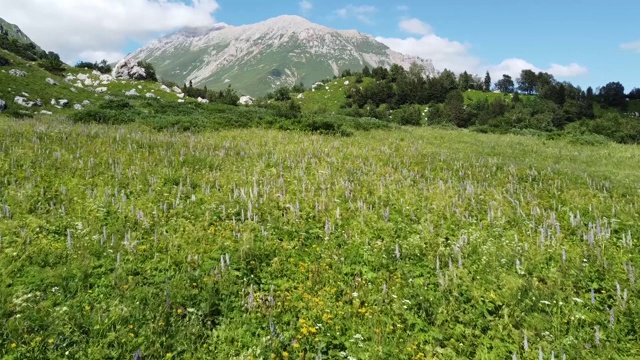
13 31
257 58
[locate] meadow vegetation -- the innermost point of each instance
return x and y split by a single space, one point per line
417 243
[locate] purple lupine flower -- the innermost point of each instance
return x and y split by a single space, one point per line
593 297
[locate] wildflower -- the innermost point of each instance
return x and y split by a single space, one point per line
597 335
355 294
525 342
14 345
611 317
398 252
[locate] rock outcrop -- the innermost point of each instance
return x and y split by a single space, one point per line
130 70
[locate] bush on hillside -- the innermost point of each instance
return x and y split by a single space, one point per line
4 61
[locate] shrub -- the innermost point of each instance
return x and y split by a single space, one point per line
4 61
408 115
102 116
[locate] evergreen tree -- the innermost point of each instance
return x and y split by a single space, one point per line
487 82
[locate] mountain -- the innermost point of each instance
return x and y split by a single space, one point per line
257 58
13 31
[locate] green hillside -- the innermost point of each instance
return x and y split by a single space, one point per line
35 85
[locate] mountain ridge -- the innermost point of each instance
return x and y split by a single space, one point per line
258 58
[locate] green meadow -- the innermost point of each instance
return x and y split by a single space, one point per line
122 242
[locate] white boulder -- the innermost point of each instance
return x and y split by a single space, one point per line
45 112
23 101
246 100
50 81
176 90
300 96
150 95
101 89
346 82
165 88
132 92
129 69
17 73
203 101
77 107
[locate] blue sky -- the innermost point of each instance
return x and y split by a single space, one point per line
586 42
588 33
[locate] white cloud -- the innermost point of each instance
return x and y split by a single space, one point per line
631 46
305 7
363 13
457 56
88 28
415 26
92 56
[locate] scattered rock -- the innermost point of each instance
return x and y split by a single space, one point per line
88 82
25 94
18 73
180 95
63 102
129 69
346 82
106 77
74 90
181 100
165 88
45 112
246 100
150 95
316 85
77 107
70 78
78 84
203 101
176 90
50 81
3 105
23 101
86 103
132 92
39 102
96 73
54 102
101 89
300 96
82 77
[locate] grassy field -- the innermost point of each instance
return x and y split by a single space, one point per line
259 244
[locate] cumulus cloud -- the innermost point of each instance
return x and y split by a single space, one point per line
457 56
363 13
631 46
80 29
305 7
